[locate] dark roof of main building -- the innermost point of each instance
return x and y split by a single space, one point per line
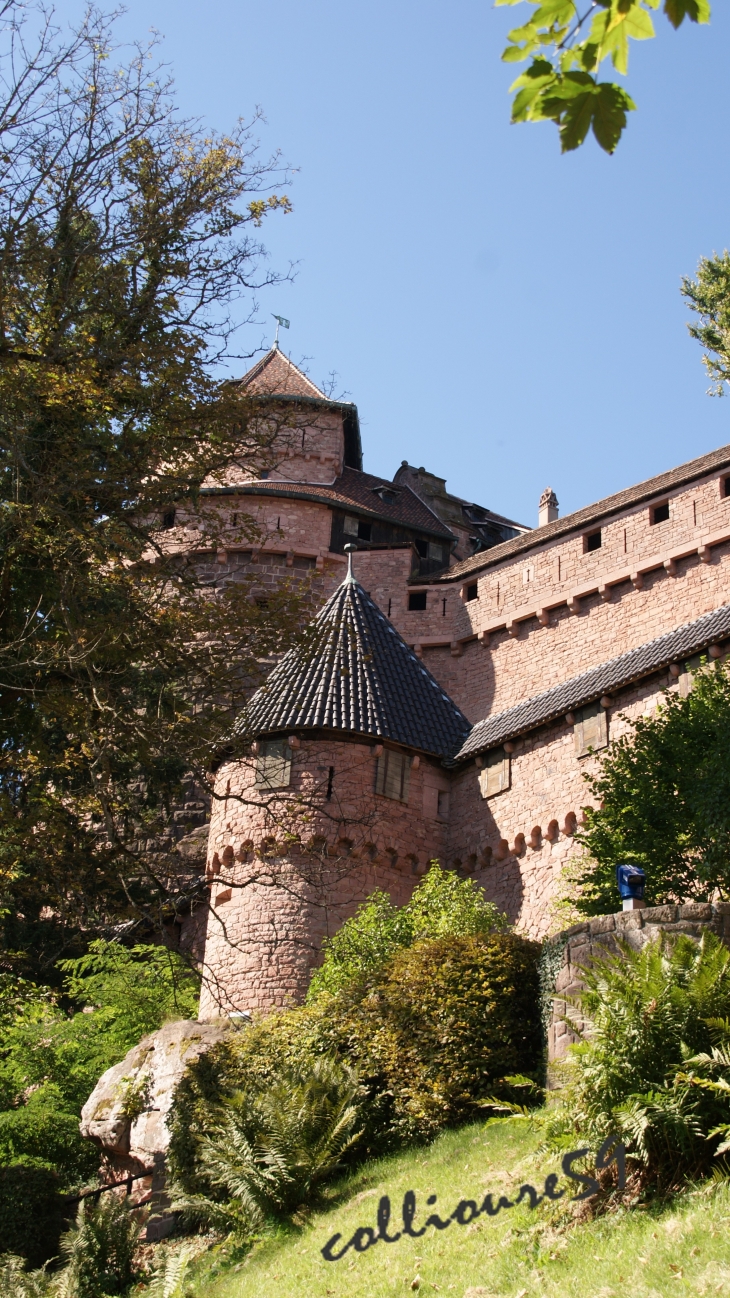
355 674
675 646
352 491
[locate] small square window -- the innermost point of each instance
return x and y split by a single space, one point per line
472 591
417 601
273 765
591 729
660 513
494 776
592 541
392 775
168 519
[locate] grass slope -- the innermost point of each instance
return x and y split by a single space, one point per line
680 1249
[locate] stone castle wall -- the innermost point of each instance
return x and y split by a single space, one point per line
287 867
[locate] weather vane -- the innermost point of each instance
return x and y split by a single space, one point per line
282 322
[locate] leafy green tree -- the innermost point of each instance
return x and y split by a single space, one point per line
664 801
566 43
53 1050
127 244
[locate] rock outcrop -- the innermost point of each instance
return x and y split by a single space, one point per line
127 1112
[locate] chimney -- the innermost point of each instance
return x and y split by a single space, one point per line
548 507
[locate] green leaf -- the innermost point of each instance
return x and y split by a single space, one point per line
514 54
611 105
698 11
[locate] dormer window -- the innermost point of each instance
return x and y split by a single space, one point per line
387 494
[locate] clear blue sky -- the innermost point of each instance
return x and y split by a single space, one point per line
501 314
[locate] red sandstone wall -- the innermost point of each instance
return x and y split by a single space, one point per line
547 785
272 900
609 611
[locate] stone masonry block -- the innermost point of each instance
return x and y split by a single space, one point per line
603 924
658 914
696 910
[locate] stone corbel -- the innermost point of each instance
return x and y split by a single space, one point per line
605 593
483 639
637 580
513 629
705 554
670 566
574 604
290 558
456 649
418 650
543 616
502 850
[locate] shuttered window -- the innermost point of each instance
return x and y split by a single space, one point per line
494 776
591 729
392 775
273 765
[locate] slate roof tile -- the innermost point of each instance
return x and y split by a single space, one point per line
356 674
612 675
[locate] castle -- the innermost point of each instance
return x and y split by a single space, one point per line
452 691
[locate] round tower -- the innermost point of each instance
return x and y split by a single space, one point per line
336 786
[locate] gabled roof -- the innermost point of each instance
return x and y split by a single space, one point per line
592 514
355 674
355 492
276 376
675 646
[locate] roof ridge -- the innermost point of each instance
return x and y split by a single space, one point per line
273 353
614 503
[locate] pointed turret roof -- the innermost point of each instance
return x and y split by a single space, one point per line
276 376
354 673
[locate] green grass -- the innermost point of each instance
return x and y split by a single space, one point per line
679 1249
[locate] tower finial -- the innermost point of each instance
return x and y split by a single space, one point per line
349 551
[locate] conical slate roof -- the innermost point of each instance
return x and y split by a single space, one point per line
356 674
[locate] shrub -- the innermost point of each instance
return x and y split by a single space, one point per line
441 1029
32 1211
442 905
649 1066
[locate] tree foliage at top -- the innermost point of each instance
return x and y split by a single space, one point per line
127 243
566 42
664 801
709 296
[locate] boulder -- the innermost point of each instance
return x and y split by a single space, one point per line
127 1112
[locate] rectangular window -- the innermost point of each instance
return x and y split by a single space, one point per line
591 729
364 531
726 487
168 519
592 541
494 776
472 591
435 552
350 525
273 765
392 775
660 513
417 601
